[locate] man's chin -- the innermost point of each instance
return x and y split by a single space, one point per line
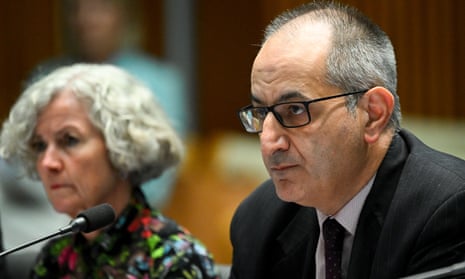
285 190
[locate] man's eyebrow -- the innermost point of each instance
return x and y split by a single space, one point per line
283 98
256 100
291 96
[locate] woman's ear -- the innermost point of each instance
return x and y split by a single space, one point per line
379 107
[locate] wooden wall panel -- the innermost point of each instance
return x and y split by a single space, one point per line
27 29
457 53
228 34
428 36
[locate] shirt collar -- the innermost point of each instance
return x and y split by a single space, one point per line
349 214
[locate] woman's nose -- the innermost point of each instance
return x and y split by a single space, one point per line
50 159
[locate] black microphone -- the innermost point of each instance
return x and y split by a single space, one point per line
91 219
87 221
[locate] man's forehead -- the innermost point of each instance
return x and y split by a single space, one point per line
302 29
297 39
289 48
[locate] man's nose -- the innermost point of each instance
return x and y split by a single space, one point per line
273 136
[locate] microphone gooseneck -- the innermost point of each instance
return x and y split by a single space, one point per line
87 221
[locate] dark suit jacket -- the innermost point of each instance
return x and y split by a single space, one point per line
413 221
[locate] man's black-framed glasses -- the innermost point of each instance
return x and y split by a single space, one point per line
288 114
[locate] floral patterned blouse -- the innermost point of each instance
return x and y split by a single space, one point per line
142 243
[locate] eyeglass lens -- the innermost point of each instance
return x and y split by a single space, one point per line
288 115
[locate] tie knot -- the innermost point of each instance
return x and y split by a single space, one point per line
332 229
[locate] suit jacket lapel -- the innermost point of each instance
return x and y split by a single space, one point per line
375 209
298 243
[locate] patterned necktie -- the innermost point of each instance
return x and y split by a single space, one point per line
333 234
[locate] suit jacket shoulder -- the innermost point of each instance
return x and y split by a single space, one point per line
270 237
413 217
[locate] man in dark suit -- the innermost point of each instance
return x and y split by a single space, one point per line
325 107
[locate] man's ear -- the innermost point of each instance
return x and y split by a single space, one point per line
379 105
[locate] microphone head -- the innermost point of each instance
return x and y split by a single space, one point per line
97 217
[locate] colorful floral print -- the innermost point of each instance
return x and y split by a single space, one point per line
142 243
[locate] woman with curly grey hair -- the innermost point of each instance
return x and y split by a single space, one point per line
93 134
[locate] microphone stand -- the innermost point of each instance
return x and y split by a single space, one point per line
89 220
30 243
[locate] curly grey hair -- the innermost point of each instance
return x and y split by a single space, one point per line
139 138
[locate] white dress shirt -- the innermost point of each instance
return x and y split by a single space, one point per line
348 218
